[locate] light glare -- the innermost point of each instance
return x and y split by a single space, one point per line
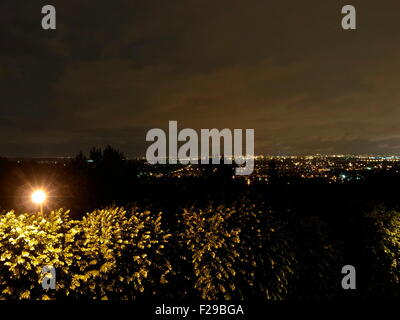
39 196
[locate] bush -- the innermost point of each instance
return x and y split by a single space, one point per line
382 240
28 243
242 252
118 255
237 253
108 255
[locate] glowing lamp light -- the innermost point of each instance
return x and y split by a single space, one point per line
39 196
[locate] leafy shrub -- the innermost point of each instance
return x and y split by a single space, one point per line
214 253
237 253
382 240
27 243
118 255
109 254
240 252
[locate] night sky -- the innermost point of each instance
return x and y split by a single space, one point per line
114 69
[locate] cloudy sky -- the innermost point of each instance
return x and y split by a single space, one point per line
114 69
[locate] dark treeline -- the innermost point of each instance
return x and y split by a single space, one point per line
105 177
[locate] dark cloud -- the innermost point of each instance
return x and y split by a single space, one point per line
114 69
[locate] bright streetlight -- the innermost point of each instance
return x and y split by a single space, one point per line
38 197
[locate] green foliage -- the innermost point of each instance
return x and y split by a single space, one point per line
27 243
240 252
382 239
109 254
237 253
118 255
